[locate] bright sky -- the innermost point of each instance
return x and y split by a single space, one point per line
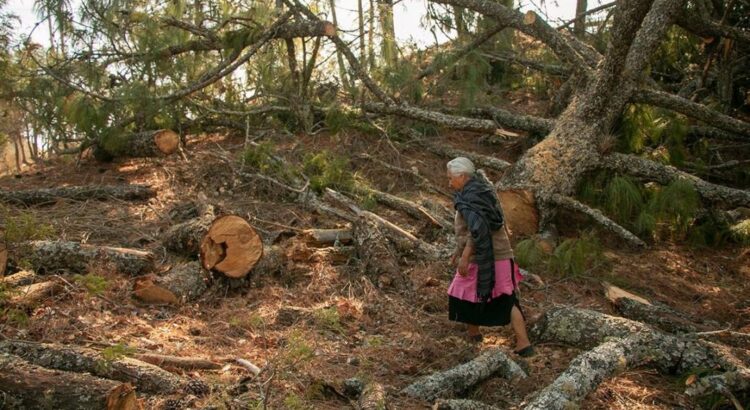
407 17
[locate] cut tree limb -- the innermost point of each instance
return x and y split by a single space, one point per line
720 383
522 122
144 376
22 278
664 174
552 69
157 143
184 282
637 308
374 397
30 296
231 246
25 385
461 404
454 381
599 217
177 362
707 28
327 237
692 109
77 193
48 257
478 159
410 208
185 238
438 118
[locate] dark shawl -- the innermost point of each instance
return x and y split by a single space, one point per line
478 206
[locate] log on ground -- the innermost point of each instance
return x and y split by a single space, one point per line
326 237
461 404
177 362
185 238
231 246
144 376
158 143
184 282
374 397
21 278
454 381
637 308
77 193
31 296
48 257
27 386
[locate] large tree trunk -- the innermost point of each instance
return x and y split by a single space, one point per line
78 193
27 386
48 257
145 376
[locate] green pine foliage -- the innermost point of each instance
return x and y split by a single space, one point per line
530 254
573 257
660 131
22 227
741 232
325 170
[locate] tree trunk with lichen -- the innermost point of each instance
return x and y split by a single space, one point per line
27 386
144 376
47 257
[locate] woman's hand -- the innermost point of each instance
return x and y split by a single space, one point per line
454 259
463 266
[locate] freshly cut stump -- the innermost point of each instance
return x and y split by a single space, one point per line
231 246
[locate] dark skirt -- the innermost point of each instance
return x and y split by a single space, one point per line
496 312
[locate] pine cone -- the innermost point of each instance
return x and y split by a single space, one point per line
197 387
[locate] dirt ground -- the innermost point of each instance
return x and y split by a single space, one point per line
346 325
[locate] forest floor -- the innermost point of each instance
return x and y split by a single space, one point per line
389 331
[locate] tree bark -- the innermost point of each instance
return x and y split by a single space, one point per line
144 376
177 362
462 404
579 27
48 257
538 125
157 143
22 278
231 246
183 283
664 174
598 217
374 397
693 110
185 238
326 237
31 296
720 383
454 381
76 193
28 386
414 210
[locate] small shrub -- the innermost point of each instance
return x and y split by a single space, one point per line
623 198
741 232
328 319
15 317
674 207
297 349
111 354
530 254
294 402
326 170
94 284
23 227
576 256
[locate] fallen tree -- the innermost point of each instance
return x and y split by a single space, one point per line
158 143
77 193
144 376
25 385
47 257
454 381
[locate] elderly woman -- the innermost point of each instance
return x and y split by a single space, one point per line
482 292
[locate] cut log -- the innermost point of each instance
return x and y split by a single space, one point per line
33 295
27 386
327 237
621 344
231 246
449 383
720 383
77 193
185 238
458 404
374 250
183 283
478 159
637 308
47 257
3 259
158 143
414 210
144 376
177 362
22 278
374 397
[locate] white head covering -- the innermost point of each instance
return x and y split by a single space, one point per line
461 165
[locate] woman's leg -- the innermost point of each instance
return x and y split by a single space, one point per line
519 327
473 330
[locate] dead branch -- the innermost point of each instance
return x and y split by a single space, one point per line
598 217
77 193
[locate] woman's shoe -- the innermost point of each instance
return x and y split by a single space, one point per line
527 351
475 338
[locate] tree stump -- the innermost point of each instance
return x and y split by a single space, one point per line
231 246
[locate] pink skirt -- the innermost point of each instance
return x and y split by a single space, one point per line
465 287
